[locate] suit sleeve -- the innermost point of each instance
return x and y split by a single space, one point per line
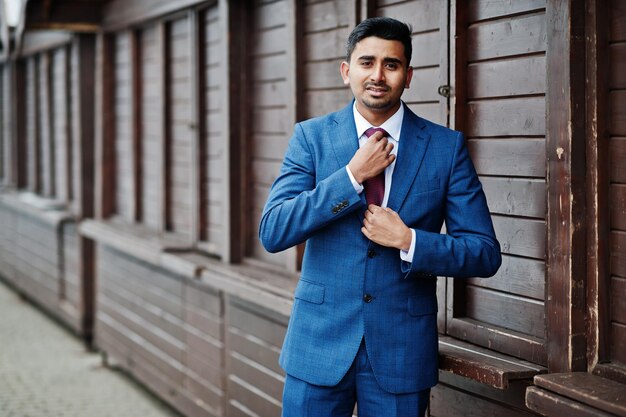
298 205
470 248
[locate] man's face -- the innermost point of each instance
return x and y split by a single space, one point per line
377 74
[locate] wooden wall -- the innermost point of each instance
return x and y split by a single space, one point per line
617 187
501 85
174 83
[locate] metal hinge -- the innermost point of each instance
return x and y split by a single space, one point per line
444 90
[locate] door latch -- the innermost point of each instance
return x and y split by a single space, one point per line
444 91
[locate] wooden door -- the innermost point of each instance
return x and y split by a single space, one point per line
272 102
179 140
499 87
150 131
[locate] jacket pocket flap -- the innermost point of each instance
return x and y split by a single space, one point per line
421 305
309 291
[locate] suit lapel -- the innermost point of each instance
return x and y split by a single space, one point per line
343 137
414 140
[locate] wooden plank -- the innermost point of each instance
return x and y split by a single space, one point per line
592 390
510 77
427 49
617 54
447 401
504 310
264 379
565 142
618 20
618 253
507 117
498 339
321 102
246 394
326 15
258 326
523 237
488 9
617 152
618 112
46 132
618 341
483 365
617 206
549 404
509 157
521 276
422 16
507 37
618 300
513 196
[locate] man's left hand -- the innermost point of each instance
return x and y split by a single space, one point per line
385 227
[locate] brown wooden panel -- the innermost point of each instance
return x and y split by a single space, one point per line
507 37
505 310
509 157
424 85
618 20
488 9
257 326
618 65
123 134
618 253
618 112
270 67
549 404
511 77
3 162
254 348
427 49
271 41
617 205
327 45
521 276
320 102
618 300
618 341
46 134
507 117
180 149
246 395
327 15
421 15
59 100
32 126
617 152
445 401
518 236
513 196
270 15
151 141
264 379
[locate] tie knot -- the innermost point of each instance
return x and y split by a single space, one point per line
369 132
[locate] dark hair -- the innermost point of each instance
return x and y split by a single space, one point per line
385 28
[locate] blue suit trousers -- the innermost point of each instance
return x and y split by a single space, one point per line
359 385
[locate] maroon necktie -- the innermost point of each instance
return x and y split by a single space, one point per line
375 187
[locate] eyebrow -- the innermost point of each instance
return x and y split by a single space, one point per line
386 59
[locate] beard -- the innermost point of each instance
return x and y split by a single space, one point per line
376 103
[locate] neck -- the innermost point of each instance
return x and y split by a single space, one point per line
377 116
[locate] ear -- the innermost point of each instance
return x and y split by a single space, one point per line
345 70
409 76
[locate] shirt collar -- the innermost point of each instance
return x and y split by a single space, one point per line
392 126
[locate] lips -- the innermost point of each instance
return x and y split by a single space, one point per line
377 91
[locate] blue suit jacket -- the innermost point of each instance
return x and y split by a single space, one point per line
313 200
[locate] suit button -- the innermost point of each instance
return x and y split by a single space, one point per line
335 210
371 253
368 298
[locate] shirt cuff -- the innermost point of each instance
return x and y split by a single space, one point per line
407 256
357 187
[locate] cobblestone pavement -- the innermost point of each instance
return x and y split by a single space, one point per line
46 372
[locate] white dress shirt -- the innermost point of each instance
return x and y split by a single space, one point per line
392 126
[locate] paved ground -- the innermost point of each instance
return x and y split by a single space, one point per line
46 372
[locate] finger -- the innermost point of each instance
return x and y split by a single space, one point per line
376 137
365 232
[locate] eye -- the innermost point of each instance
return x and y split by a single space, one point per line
366 63
391 65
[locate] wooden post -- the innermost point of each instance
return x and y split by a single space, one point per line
135 120
598 217
565 154
17 132
196 128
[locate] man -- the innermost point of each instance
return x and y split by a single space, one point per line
371 204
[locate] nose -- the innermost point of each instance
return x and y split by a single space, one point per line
377 74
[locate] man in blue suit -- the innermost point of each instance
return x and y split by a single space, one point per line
369 188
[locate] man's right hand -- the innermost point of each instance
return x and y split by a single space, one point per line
371 158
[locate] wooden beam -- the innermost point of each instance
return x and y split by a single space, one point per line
597 123
135 120
162 188
198 216
85 113
565 155
119 14
17 90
